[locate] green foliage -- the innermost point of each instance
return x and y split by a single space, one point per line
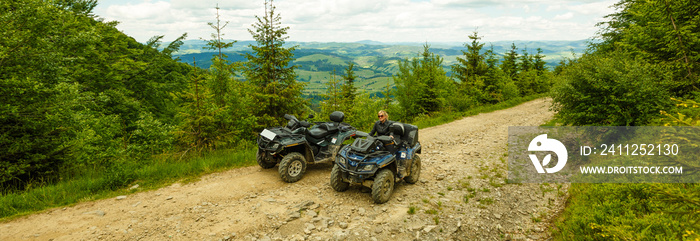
216 108
664 32
333 98
269 71
470 69
80 94
198 129
510 65
421 85
630 212
597 90
359 108
348 88
31 144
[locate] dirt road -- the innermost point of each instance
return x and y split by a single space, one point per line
461 196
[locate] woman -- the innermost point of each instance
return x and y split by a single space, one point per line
382 126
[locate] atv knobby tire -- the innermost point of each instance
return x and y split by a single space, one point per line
337 182
263 162
383 186
415 171
292 167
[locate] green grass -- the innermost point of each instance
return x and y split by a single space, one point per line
637 211
99 184
411 210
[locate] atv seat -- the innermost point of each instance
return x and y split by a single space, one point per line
327 128
324 129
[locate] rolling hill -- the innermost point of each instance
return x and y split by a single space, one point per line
375 62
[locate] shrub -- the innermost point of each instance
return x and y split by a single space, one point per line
612 89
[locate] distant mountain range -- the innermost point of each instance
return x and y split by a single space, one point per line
375 62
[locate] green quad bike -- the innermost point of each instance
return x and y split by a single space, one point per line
298 144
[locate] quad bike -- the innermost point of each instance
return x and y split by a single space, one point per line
377 162
297 144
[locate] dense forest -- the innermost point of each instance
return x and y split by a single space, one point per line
80 97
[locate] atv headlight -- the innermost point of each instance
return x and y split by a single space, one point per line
275 146
368 168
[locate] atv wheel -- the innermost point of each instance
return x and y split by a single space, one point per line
292 167
415 171
383 186
262 161
337 182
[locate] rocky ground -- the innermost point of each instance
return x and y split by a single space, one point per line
462 195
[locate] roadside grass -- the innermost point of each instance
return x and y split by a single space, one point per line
630 211
440 118
99 184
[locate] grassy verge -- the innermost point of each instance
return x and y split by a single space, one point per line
632 211
446 117
100 184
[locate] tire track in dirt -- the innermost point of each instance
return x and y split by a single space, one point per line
464 158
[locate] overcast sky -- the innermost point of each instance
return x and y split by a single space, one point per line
354 20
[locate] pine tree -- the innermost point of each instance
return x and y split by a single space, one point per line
434 78
349 91
509 64
221 68
539 63
198 129
470 69
526 61
333 97
420 84
270 71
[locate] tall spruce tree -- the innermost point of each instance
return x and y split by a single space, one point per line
270 71
221 68
509 64
470 69
348 88
539 63
333 98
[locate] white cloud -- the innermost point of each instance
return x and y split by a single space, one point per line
353 20
595 8
139 11
565 16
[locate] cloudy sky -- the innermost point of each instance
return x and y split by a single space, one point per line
354 20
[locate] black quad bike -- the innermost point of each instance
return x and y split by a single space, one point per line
377 162
298 144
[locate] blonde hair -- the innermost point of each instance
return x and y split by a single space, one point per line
384 113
